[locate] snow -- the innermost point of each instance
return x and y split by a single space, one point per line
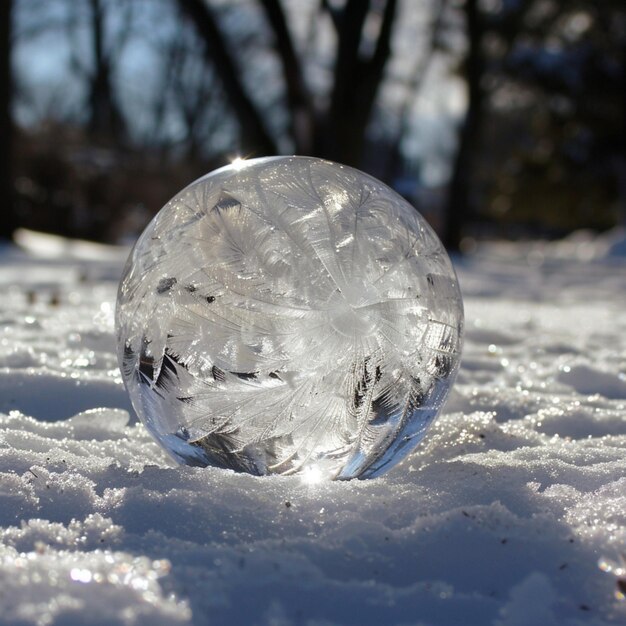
512 511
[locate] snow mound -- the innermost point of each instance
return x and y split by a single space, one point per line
512 511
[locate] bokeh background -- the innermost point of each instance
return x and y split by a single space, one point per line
495 118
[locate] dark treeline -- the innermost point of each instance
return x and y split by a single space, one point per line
108 107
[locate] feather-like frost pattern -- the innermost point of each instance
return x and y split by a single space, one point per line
289 313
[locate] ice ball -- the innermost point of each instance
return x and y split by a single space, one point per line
289 315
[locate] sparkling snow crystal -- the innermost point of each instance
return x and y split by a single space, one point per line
289 315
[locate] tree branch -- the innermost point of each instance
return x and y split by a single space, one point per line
255 138
413 90
356 81
8 223
458 203
298 99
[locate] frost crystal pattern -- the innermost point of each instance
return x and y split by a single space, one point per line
289 315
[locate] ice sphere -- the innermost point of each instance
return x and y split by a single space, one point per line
289 315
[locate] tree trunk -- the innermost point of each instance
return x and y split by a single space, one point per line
8 221
298 99
414 89
459 204
356 83
255 138
105 119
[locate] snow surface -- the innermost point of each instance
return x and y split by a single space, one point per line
286 316
512 512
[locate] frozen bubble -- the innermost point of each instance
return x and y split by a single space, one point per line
289 315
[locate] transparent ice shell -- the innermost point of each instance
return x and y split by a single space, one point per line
289 315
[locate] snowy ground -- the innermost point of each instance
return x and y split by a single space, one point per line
512 512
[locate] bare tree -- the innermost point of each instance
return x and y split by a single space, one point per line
194 93
335 130
459 202
357 78
7 200
413 91
302 115
255 136
105 119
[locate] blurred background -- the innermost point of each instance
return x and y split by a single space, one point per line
495 118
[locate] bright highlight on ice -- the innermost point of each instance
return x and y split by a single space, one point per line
311 475
238 163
